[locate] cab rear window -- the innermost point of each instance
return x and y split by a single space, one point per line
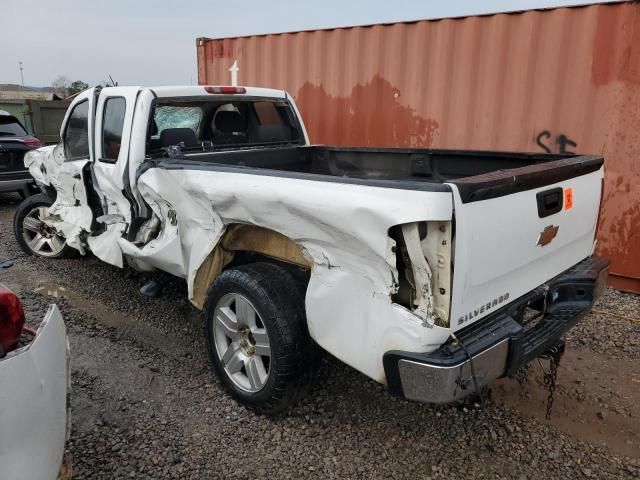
232 123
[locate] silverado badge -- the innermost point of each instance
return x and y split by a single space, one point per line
548 234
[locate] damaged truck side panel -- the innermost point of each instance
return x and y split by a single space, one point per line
70 213
344 239
188 180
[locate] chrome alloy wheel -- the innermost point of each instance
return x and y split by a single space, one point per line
242 342
41 238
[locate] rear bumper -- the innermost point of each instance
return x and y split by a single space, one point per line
502 342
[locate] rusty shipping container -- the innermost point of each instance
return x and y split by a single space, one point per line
560 80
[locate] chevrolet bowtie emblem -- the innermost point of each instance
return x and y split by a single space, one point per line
546 235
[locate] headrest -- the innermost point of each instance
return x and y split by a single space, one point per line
173 136
228 122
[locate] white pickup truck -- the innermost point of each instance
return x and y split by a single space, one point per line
420 268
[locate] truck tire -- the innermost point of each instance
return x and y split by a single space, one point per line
33 236
256 331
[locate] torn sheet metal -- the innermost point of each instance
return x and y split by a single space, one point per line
437 249
191 229
33 417
105 245
70 213
422 275
342 230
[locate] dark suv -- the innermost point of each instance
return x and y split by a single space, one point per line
15 141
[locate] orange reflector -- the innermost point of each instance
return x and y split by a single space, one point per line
568 198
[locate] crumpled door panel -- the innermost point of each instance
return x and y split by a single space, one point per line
70 213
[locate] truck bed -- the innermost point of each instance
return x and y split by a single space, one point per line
478 174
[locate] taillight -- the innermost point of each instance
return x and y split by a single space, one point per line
33 143
595 235
226 90
11 320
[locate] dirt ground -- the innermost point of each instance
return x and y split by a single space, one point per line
145 404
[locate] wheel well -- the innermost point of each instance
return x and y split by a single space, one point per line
244 244
300 273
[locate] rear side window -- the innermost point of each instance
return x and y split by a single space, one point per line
10 126
112 125
76 135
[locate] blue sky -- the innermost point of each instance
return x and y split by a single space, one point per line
152 42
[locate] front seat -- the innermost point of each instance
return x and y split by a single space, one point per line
230 128
174 136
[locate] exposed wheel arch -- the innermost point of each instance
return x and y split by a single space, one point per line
243 244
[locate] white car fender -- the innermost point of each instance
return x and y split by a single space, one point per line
33 404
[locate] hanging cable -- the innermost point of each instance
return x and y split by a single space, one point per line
473 371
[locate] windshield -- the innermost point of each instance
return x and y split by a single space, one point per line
215 124
11 126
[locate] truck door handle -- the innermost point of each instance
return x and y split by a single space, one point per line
549 201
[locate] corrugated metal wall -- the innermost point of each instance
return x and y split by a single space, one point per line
566 79
42 118
19 109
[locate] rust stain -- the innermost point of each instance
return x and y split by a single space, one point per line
623 239
615 45
603 64
631 67
564 79
222 49
364 121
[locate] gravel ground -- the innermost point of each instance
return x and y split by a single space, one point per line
610 335
145 405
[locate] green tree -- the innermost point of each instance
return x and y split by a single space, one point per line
77 87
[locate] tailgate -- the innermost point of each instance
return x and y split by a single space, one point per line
518 228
